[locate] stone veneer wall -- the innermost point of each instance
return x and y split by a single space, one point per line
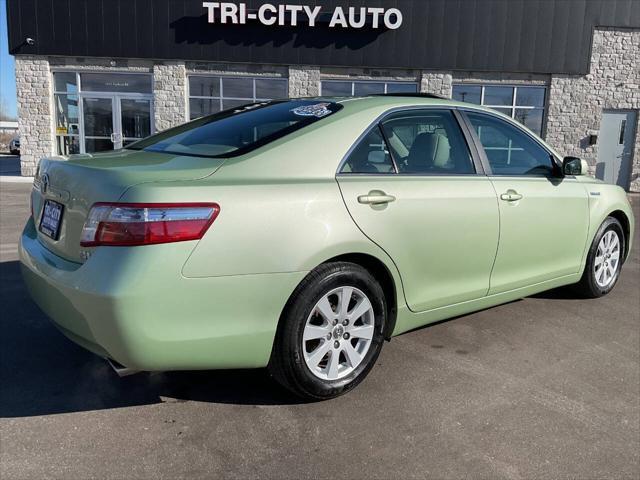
576 102
169 94
35 122
304 82
438 83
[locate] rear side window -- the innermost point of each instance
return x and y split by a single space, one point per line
509 150
428 142
371 155
237 131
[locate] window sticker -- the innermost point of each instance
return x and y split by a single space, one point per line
318 110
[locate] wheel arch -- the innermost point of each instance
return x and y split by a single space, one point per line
626 228
380 272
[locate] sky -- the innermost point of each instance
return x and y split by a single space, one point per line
7 67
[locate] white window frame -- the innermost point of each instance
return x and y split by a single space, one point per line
514 99
354 82
221 97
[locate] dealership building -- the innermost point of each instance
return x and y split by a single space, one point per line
95 75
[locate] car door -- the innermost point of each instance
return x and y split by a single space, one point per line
544 217
414 188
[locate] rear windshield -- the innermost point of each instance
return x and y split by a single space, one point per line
238 131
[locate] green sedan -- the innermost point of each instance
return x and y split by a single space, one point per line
300 235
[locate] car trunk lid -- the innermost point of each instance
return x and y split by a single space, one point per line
79 181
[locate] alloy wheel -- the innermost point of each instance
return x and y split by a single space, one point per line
607 260
338 333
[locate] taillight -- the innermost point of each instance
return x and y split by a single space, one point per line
130 224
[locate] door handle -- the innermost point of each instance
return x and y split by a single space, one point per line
376 198
511 196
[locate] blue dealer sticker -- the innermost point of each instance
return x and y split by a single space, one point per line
318 110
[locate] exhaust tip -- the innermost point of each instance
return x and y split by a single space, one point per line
121 370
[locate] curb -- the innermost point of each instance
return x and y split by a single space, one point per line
15 179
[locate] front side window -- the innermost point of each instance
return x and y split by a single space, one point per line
509 150
209 95
235 132
428 142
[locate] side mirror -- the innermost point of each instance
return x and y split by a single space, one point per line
573 166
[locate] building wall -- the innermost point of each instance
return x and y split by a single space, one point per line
576 102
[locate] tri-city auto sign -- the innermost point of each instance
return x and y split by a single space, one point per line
294 15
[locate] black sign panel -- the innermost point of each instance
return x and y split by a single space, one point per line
532 36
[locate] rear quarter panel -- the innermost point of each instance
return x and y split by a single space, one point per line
280 208
266 228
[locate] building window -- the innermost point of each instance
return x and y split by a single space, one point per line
524 103
339 88
209 95
67 127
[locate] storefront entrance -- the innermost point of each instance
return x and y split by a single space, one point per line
97 112
113 121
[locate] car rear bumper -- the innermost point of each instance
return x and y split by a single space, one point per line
134 306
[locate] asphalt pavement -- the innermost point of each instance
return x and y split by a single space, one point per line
545 387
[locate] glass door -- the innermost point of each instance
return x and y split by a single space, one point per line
99 120
135 119
111 122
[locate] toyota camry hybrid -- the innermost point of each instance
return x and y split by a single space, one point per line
300 235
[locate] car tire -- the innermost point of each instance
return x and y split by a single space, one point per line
319 351
604 261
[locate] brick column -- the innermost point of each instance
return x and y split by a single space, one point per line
35 121
438 83
304 82
169 95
